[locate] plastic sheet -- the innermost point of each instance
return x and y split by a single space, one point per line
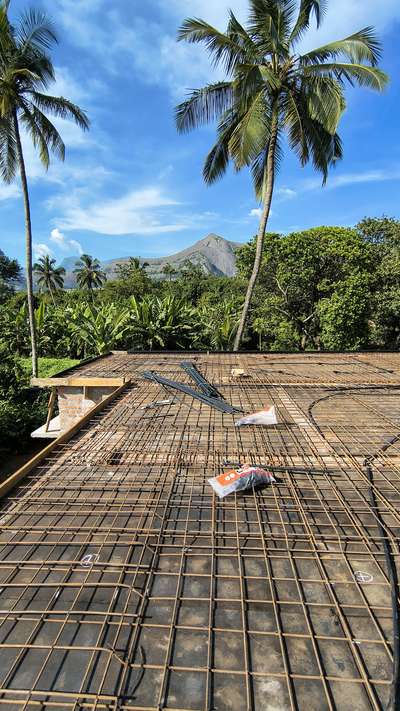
239 479
263 417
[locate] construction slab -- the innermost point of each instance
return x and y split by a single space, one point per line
126 584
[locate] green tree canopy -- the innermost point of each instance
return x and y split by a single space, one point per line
273 92
89 274
49 277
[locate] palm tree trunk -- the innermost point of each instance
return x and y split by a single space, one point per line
269 189
28 247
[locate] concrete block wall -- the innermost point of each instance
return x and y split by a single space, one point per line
74 402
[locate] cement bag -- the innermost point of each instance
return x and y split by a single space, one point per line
263 417
240 479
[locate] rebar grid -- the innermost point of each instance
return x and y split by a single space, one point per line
126 584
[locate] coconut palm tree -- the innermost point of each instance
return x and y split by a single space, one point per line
272 92
89 273
48 276
25 74
169 271
132 268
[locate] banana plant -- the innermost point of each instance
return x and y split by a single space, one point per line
97 329
218 325
161 322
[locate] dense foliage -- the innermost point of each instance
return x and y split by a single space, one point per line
327 288
21 408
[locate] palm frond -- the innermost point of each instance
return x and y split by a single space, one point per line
251 133
251 78
270 21
360 74
34 129
217 160
241 37
295 114
362 46
35 30
222 48
325 99
60 107
204 105
8 151
307 9
326 149
43 133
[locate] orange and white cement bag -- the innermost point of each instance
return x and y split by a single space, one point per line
263 417
240 479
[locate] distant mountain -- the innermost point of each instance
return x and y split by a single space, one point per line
214 254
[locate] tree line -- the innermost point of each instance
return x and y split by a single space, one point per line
272 93
327 288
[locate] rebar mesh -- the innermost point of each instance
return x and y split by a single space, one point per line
125 584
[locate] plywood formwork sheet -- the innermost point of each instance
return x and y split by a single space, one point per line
125 584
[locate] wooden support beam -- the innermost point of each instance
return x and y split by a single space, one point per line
21 473
52 402
78 382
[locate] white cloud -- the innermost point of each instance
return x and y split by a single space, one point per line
67 86
371 176
65 244
76 246
9 192
216 13
157 57
137 212
344 17
41 250
346 179
255 212
58 237
286 193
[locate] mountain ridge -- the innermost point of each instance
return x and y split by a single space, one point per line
215 254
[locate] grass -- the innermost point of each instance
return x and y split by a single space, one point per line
48 366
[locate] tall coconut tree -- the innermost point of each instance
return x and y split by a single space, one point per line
48 276
274 92
132 268
89 274
169 271
26 71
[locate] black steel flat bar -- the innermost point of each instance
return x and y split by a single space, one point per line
216 403
206 387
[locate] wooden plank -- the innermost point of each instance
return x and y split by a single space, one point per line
78 382
21 473
52 402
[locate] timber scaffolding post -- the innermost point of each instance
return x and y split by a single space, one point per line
126 584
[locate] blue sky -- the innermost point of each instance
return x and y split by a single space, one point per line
133 186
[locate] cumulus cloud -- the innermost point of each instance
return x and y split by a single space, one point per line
255 212
157 57
286 193
9 192
138 212
379 175
65 244
41 250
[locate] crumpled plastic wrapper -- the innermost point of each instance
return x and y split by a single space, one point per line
263 417
239 479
